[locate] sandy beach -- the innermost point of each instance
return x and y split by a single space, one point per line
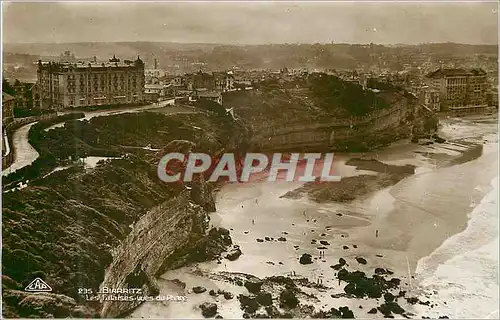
392 228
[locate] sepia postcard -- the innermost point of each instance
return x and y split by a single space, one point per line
253 159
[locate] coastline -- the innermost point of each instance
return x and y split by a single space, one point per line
464 269
403 213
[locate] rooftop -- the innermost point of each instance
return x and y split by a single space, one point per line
456 72
6 97
112 63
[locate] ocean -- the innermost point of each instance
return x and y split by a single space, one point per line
466 285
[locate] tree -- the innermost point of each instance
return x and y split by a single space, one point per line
7 88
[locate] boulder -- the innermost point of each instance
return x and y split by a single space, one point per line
208 309
261 314
390 307
253 284
346 313
264 298
248 303
282 239
273 312
324 242
306 258
372 311
199 289
361 260
288 299
380 271
260 240
179 283
228 295
233 254
212 293
389 297
336 267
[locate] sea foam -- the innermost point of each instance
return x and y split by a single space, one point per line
461 276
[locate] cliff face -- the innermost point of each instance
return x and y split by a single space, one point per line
176 224
116 227
316 131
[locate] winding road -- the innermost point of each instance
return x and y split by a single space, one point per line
25 154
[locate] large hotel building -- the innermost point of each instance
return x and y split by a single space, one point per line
460 89
69 84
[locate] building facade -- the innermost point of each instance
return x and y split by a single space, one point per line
69 85
430 97
8 102
460 88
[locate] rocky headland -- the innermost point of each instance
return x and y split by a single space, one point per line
117 225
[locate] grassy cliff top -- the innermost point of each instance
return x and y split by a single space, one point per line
310 99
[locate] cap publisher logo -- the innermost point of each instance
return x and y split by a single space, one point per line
38 285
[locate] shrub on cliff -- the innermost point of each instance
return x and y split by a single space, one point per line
332 92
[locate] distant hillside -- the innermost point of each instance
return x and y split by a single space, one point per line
180 57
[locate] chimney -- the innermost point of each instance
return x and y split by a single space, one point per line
95 59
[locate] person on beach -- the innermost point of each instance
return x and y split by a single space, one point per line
253 221
376 233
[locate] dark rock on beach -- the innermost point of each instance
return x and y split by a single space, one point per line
234 253
361 260
208 309
305 259
248 303
288 299
264 298
253 284
389 297
372 311
333 313
199 289
390 307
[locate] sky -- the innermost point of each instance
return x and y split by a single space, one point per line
251 22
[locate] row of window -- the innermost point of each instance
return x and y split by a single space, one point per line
86 102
